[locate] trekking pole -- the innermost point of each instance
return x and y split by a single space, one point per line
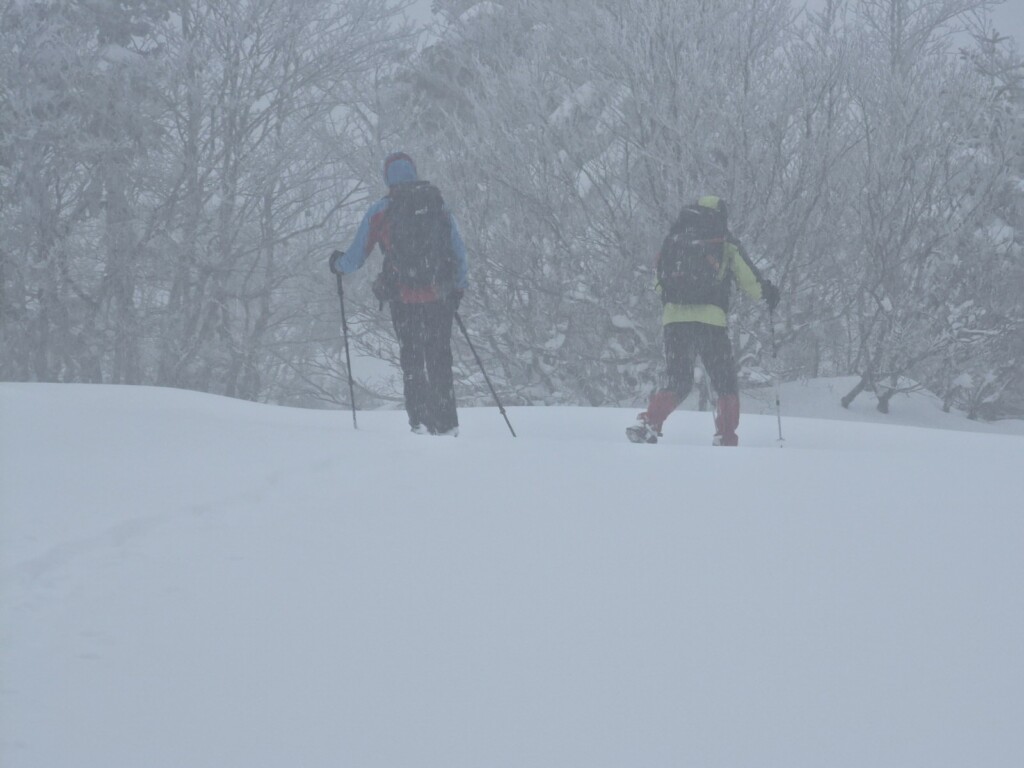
344 333
705 391
487 378
775 372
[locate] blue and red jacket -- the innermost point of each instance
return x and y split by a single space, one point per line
373 231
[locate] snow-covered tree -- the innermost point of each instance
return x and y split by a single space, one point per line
578 132
926 185
172 179
168 178
77 103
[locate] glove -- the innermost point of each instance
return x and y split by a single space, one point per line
457 297
770 293
334 260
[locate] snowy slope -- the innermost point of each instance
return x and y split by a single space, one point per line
194 581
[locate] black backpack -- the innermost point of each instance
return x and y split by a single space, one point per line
690 266
420 252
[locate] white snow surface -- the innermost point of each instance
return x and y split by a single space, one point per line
188 580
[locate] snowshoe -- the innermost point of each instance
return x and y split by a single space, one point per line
642 432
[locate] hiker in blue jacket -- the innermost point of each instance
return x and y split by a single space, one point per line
423 277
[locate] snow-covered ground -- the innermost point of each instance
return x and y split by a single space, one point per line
191 581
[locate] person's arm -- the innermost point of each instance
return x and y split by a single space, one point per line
367 237
756 285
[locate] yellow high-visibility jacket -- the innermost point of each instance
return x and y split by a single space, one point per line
736 266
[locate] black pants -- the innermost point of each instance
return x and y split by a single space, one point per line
424 334
683 342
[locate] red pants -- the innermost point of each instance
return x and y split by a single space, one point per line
683 343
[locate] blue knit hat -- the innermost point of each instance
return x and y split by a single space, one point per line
399 169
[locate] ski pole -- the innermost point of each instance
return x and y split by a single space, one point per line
487 378
775 372
705 391
344 332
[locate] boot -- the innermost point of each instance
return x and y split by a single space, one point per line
649 422
642 432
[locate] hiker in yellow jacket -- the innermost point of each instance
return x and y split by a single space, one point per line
697 265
